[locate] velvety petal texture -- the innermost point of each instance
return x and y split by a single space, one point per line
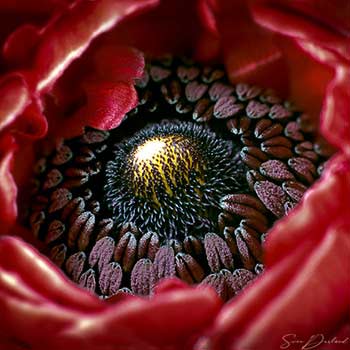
68 64
69 317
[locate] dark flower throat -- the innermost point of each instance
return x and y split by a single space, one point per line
188 186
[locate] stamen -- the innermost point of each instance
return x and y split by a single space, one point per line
188 185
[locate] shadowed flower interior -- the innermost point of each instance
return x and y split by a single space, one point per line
188 185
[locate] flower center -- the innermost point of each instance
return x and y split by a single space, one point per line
169 177
161 165
191 196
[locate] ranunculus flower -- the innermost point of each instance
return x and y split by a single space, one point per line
71 64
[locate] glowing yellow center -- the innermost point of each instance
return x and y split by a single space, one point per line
162 164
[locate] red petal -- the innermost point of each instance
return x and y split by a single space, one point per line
31 124
107 104
32 268
320 209
335 113
170 319
19 46
68 37
293 22
276 304
8 188
119 63
250 53
14 97
57 315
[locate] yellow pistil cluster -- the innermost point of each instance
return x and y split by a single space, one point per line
162 164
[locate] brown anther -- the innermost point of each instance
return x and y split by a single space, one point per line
272 196
86 155
222 282
294 189
58 254
193 246
159 73
226 107
102 252
247 141
88 280
164 263
247 259
83 225
303 168
54 231
63 155
209 74
194 91
142 277
257 110
110 278
53 179
253 224
73 209
218 90
246 200
59 199
74 265
104 227
253 176
230 241
171 91
187 74
76 177
125 251
305 149
306 123
279 112
266 129
324 149
148 246
203 110
251 239
276 170
94 136
247 92
238 126
293 131
86 223
188 269
218 253
244 206
253 156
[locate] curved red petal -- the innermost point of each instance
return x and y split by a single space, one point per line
19 46
169 320
335 117
284 313
14 98
32 268
119 63
57 315
249 51
319 210
8 188
31 124
291 21
67 38
107 104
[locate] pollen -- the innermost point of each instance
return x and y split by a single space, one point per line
162 164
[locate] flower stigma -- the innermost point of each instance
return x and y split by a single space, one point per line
187 186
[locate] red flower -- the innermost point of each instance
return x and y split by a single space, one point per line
68 73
